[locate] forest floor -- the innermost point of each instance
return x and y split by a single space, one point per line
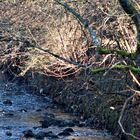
68 66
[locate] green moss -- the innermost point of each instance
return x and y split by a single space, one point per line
119 66
115 51
134 131
103 50
98 70
129 67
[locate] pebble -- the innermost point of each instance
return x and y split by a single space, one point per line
9 114
68 130
28 134
40 135
23 110
7 102
8 133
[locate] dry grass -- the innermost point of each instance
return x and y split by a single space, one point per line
49 25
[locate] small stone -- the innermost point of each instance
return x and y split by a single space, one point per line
50 134
36 127
40 135
68 130
45 123
28 134
7 102
23 110
38 110
41 90
49 120
81 124
8 133
9 114
49 115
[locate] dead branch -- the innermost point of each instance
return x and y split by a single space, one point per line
83 21
134 78
55 55
121 116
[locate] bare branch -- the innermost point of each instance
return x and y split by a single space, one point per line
55 55
121 116
83 21
134 78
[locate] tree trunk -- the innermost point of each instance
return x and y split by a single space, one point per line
132 11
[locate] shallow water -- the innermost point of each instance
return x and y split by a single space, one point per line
20 111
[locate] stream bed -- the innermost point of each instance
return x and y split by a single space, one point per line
26 116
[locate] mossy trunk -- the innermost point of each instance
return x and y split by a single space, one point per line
132 11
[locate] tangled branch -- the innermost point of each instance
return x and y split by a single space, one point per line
125 104
121 116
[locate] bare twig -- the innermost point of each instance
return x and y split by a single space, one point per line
121 116
111 68
136 91
134 78
55 55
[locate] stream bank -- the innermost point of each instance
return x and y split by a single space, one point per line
97 99
25 115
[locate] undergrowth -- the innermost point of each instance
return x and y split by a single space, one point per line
46 24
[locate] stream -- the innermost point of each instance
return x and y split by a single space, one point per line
26 116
